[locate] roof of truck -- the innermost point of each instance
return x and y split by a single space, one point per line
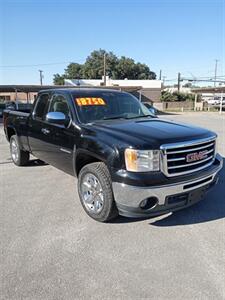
84 90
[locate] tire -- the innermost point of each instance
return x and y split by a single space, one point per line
95 192
19 157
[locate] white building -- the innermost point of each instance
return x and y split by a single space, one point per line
150 90
147 83
172 89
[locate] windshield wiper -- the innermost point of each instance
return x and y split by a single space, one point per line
111 118
143 116
127 118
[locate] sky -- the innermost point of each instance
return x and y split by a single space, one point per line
172 35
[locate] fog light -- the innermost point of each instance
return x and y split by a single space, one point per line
148 203
143 203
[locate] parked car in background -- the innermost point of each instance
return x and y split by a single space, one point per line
216 101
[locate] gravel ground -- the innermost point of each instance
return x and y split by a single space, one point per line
50 249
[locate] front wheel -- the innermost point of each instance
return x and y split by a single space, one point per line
95 192
19 157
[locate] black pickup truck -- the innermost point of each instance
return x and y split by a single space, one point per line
127 161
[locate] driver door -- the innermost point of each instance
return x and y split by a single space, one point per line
61 138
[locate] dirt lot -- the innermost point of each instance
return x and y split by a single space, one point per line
50 249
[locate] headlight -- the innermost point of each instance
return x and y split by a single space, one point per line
141 160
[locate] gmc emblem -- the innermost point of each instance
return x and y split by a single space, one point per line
196 156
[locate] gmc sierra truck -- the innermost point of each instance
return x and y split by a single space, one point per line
127 161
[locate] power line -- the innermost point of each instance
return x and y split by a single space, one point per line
210 77
164 79
204 78
174 79
35 65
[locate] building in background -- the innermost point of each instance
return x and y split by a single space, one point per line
149 91
19 96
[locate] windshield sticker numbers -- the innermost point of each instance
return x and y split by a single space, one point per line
90 101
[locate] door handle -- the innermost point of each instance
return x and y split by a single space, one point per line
45 131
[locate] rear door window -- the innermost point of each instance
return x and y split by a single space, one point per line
41 107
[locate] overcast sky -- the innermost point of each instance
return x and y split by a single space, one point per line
185 36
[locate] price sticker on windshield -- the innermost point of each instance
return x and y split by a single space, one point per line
89 101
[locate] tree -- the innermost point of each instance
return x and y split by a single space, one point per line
168 97
144 72
187 85
74 70
58 79
116 68
94 64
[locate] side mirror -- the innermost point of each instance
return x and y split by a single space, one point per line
153 111
57 118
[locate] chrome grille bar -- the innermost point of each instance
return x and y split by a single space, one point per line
192 164
176 159
189 150
188 144
183 158
175 156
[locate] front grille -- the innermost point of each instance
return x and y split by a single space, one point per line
188 157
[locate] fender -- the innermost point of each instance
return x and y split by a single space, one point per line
96 151
7 128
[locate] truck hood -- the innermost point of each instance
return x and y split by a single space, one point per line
151 132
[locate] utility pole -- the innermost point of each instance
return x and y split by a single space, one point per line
41 76
178 82
104 69
216 62
160 75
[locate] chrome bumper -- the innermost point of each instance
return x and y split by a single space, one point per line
131 196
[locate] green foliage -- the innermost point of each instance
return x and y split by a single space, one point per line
170 97
74 69
58 79
188 85
93 67
127 68
116 68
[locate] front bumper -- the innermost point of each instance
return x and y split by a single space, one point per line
167 198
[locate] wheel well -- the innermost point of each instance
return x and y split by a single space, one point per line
84 159
10 132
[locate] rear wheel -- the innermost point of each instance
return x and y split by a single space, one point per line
19 157
95 192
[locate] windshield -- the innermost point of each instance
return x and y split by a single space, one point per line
109 105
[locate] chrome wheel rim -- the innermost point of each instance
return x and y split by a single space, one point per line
14 150
92 193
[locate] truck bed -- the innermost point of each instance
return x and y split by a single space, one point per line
14 119
13 116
